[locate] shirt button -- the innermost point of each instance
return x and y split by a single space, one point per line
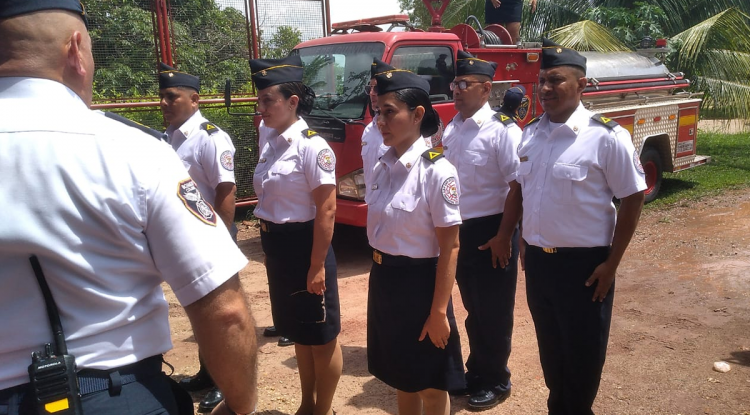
289 140
539 188
567 174
544 164
536 210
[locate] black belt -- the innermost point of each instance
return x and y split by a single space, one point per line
381 258
93 380
480 220
574 250
270 227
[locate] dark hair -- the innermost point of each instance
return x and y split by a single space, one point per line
305 93
413 98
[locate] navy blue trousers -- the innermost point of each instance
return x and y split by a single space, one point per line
572 331
489 295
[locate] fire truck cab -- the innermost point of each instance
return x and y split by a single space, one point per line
633 88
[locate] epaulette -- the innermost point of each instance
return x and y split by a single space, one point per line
504 118
209 127
432 155
135 124
533 120
309 133
608 122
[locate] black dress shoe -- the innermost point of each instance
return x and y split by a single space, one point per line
270 332
285 341
198 382
209 402
486 399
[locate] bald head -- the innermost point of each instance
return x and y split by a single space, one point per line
52 45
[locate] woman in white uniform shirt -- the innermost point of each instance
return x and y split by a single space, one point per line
296 187
412 225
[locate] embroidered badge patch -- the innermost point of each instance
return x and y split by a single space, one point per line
637 162
437 139
326 160
193 200
227 160
450 191
523 109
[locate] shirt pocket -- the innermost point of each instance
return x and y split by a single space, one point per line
403 206
473 160
567 182
524 169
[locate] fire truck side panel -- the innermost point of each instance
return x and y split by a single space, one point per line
686 135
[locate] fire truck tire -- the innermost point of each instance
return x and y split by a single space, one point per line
651 161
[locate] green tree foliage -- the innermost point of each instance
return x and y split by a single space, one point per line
281 43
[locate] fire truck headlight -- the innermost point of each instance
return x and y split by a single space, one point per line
352 185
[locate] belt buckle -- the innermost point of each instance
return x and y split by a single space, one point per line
377 257
550 250
263 226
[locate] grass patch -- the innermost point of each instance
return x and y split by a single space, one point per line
729 169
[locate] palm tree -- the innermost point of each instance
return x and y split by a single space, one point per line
709 39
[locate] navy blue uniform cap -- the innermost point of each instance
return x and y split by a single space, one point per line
11 8
379 66
397 79
170 77
468 64
269 72
513 97
555 55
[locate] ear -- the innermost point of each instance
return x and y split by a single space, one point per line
418 114
582 82
195 98
294 100
487 87
74 57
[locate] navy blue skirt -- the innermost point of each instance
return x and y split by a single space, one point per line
306 319
398 304
508 12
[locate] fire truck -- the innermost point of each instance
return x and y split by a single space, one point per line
633 88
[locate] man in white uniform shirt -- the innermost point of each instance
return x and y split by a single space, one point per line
482 145
111 214
572 163
208 154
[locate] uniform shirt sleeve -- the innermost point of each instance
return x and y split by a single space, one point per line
442 191
193 255
623 169
506 149
217 159
319 162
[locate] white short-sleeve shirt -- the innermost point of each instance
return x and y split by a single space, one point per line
291 165
207 152
483 150
569 175
111 213
372 149
411 196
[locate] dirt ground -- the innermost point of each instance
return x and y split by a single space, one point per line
682 303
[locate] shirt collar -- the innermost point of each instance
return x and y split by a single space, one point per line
38 88
575 122
188 126
481 116
410 156
294 132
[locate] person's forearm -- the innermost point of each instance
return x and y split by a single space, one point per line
511 212
446 270
322 234
627 221
225 331
224 203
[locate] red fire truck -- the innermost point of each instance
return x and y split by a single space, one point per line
633 88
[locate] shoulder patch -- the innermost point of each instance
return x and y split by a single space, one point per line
209 127
504 118
450 191
227 160
608 122
326 160
191 197
533 120
432 155
309 133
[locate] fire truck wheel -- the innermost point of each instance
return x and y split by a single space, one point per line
651 161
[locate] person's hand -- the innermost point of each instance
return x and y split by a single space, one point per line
438 329
522 254
316 280
501 251
496 3
604 275
533 6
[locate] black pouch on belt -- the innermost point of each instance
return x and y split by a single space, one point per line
308 308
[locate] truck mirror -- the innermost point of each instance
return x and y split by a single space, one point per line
228 93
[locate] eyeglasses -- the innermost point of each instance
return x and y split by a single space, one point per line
369 89
462 84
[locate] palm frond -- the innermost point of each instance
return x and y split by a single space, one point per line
550 14
731 65
729 26
725 98
587 36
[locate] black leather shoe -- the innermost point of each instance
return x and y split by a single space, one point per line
486 399
198 382
209 402
284 341
270 332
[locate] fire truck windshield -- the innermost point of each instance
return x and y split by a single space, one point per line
338 74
